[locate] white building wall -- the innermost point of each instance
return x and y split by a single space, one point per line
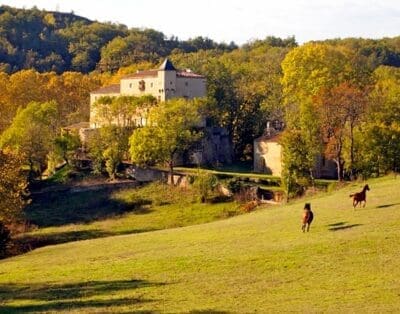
130 86
189 87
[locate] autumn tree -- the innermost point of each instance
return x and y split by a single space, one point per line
12 194
171 129
340 111
308 70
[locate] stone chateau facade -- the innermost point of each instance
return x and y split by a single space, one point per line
166 83
163 83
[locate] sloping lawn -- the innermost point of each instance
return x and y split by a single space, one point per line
260 262
64 217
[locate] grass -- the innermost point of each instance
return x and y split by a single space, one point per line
259 262
64 217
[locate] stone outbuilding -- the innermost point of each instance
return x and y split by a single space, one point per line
268 157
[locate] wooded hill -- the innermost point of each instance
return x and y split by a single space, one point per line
55 41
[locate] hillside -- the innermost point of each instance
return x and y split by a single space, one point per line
55 41
257 262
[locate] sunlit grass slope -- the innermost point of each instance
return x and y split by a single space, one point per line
260 262
66 217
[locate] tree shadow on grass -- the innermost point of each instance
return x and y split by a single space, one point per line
62 208
341 226
72 296
28 242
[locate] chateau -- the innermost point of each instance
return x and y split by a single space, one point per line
163 83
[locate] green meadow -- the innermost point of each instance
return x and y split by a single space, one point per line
254 263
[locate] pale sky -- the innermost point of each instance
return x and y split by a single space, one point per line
240 20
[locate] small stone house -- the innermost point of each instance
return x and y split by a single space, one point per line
268 157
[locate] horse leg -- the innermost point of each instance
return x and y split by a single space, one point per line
303 227
308 227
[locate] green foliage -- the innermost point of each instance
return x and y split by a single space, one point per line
171 130
32 134
298 163
119 110
66 145
205 183
377 140
107 147
53 41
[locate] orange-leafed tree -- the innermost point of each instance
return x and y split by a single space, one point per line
340 110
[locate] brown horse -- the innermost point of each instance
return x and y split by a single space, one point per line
360 196
308 217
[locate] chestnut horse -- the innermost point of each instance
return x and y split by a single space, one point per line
308 217
360 196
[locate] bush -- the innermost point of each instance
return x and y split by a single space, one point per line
205 183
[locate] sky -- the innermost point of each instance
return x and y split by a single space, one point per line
240 21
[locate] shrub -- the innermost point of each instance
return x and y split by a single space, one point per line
205 183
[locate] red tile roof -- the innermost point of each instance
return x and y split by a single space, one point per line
140 74
188 74
110 89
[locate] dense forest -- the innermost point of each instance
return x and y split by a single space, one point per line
338 98
54 41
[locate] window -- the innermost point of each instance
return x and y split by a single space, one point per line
130 85
142 86
170 83
151 84
186 83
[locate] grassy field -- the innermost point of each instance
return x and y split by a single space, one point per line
259 262
65 217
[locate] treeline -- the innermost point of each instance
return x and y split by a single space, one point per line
70 91
54 41
339 105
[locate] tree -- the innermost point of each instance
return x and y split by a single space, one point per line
12 186
340 110
296 170
204 183
307 70
12 194
122 111
171 130
65 146
109 146
32 134
378 142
